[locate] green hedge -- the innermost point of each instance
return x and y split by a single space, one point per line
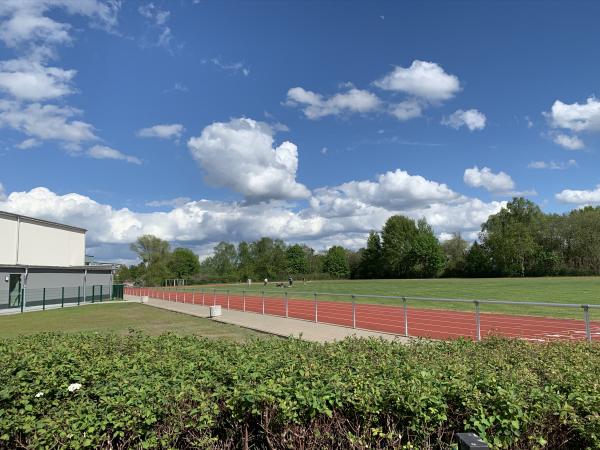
184 392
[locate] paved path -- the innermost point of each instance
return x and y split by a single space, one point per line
310 331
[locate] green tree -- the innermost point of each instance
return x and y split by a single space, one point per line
269 258
223 261
245 261
314 260
123 273
183 263
150 249
397 238
155 273
426 257
336 263
580 238
511 237
478 262
296 260
371 264
354 262
455 250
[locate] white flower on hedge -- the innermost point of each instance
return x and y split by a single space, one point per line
74 387
39 394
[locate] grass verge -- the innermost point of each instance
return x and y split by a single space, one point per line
118 318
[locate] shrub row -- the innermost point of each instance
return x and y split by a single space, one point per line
139 391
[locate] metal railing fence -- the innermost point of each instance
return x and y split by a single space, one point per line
53 297
402 315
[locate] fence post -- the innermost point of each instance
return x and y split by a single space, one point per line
286 304
263 302
22 299
227 298
44 299
202 290
78 295
193 300
316 309
586 318
94 293
353 311
62 297
100 293
477 320
243 300
214 297
405 316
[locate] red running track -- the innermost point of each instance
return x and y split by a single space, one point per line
430 323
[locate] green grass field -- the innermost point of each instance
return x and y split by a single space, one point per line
118 318
572 290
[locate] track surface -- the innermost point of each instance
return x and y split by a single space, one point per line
431 323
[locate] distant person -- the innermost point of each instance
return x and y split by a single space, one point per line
290 281
266 281
249 282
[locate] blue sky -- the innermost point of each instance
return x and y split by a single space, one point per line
309 121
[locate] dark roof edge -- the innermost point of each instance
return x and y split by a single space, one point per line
43 222
26 266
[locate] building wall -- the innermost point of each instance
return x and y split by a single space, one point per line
48 246
53 280
8 240
27 242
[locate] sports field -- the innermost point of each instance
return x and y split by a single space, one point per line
571 290
434 308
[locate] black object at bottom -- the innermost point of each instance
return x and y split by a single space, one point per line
470 441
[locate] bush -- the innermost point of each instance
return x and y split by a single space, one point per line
185 392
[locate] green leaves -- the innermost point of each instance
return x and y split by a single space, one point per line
184 392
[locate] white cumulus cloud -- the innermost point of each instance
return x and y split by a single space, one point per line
568 142
46 122
407 109
580 197
397 190
34 29
338 215
316 105
26 21
490 181
30 80
166 131
240 155
471 118
104 152
576 116
423 79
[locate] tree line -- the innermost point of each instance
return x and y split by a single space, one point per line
158 263
520 240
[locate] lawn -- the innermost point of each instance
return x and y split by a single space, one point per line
573 290
118 318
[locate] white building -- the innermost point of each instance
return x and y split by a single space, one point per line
28 241
43 262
